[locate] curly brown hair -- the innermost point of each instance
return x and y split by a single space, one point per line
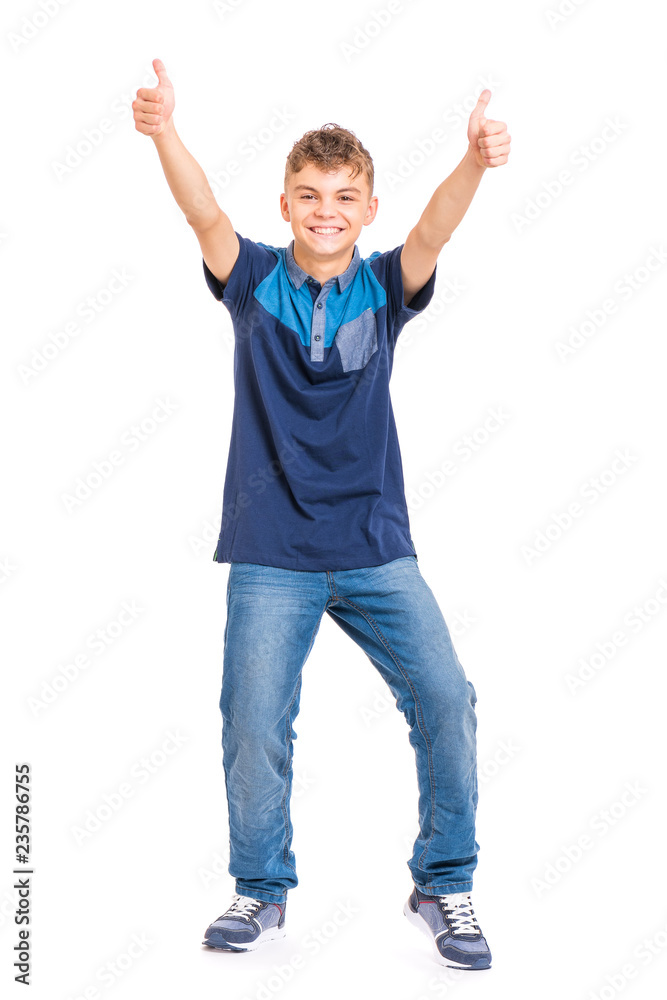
329 148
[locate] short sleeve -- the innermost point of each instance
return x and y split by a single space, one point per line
254 262
387 268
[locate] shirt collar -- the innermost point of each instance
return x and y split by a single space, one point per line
298 275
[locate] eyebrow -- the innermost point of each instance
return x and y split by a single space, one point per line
307 187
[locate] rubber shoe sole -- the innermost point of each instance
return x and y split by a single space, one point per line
217 942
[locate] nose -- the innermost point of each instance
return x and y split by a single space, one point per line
325 209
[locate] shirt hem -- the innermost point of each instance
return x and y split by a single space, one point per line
222 556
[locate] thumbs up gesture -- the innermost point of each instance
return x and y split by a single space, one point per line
488 139
154 106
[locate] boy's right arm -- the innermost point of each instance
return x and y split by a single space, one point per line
153 110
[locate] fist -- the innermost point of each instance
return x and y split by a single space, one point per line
154 106
489 140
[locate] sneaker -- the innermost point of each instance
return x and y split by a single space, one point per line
246 924
450 922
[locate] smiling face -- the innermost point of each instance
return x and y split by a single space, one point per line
326 210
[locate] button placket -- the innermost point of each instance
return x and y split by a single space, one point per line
318 324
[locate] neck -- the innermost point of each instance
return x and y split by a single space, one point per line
322 270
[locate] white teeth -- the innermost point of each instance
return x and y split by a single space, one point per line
325 232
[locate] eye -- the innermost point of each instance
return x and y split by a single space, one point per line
307 196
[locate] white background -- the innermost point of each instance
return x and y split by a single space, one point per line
533 258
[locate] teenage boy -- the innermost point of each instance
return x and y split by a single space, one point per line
314 512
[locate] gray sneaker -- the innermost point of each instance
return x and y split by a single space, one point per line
450 923
246 924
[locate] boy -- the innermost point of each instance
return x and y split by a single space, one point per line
314 512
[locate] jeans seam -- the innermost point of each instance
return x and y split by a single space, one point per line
225 772
332 586
287 788
419 715
288 734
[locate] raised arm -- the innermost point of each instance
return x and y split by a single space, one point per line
488 146
153 116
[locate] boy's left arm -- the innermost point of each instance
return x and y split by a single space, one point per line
488 146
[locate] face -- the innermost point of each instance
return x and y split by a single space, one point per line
327 210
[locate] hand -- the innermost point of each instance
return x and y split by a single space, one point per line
488 139
154 106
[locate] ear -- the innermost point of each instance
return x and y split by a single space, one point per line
284 207
371 211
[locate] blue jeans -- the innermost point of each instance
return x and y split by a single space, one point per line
273 616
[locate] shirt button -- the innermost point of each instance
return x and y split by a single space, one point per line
319 305
317 336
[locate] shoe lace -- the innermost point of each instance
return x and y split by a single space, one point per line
244 906
458 908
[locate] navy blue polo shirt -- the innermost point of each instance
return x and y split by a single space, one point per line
314 474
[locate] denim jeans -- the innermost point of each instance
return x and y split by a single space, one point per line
273 616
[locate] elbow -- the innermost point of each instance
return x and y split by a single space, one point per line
200 220
438 240
431 240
